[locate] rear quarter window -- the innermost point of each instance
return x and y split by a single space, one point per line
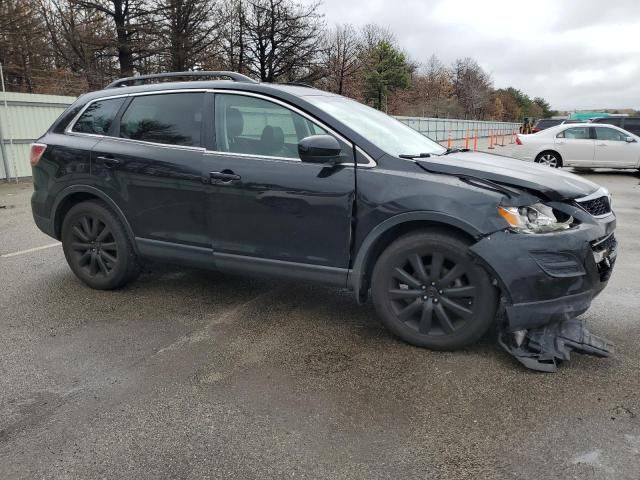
98 117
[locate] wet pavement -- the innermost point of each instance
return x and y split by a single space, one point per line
189 374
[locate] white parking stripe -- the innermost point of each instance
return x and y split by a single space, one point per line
22 252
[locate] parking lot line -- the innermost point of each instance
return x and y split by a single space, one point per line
29 250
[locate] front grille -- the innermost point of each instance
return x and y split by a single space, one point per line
598 207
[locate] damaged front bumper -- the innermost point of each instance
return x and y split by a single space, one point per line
547 280
543 348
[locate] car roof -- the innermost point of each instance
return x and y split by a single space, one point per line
266 88
566 126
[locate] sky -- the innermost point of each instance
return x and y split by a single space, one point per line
577 54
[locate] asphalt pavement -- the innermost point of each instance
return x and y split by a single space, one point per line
188 374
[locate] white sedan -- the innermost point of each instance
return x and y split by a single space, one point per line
580 145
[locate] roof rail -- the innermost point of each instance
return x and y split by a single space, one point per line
142 79
299 84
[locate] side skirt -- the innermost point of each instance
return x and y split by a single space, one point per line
200 257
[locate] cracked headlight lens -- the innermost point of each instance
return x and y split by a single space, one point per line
536 218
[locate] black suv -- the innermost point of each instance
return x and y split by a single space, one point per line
630 124
291 181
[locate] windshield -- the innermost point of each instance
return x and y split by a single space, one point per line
384 131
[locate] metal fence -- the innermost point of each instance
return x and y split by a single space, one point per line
23 118
439 128
27 116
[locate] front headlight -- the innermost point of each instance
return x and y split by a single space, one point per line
536 218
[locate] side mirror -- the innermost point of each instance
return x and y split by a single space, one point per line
629 139
319 149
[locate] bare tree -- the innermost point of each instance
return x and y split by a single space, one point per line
24 51
80 39
282 39
187 31
472 86
130 19
232 34
342 57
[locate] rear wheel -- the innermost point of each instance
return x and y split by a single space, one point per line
550 159
428 291
97 247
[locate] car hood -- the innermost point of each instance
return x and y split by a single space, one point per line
554 184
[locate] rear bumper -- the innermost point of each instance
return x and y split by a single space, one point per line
45 224
548 278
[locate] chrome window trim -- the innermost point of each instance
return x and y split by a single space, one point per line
69 129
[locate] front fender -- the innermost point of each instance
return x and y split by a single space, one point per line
358 270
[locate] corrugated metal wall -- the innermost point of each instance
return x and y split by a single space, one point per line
28 116
25 118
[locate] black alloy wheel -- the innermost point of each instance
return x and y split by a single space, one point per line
428 291
94 247
97 247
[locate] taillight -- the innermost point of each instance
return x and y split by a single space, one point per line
535 130
37 149
518 141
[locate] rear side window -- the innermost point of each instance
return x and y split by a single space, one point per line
171 118
98 117
604 133
547 123
576 133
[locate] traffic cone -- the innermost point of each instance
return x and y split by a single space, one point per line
503 144
491 147
511 141
449 139
475 141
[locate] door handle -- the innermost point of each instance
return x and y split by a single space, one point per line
225 176
108 161
601 144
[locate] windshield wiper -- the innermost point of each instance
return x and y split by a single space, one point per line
417 155
455 150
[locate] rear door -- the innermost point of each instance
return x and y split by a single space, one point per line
150 165
612 149
576 146
264 205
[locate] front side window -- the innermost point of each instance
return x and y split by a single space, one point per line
254 126
98 117
610 134
576 133
170 118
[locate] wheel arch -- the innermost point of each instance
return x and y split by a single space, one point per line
383 234
81 193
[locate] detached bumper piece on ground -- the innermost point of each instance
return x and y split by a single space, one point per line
542 349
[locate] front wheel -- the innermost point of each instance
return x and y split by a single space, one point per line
428 291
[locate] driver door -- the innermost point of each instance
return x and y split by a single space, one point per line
266 210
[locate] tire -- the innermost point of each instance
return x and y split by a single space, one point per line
97 247
441 308
549 158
